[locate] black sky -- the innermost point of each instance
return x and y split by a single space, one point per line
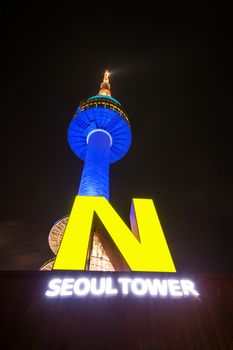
172 71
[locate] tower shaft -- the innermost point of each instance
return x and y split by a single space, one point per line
95 175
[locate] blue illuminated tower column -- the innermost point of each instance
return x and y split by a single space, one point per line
99 134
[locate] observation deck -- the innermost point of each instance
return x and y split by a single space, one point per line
100 112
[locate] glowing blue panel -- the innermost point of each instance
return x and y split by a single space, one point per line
99 118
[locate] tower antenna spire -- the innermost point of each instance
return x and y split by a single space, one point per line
105 86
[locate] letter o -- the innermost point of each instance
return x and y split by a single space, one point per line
82 286
139 286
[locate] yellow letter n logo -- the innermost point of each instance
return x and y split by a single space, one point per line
142 249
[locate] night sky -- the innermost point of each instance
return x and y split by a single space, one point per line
172 72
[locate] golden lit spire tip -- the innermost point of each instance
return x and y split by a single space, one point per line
106 75
105 86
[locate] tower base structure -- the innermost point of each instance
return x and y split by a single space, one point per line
98 259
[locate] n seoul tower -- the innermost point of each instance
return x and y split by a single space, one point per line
99 134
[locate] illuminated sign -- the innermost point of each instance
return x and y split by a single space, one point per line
143 248
154 287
